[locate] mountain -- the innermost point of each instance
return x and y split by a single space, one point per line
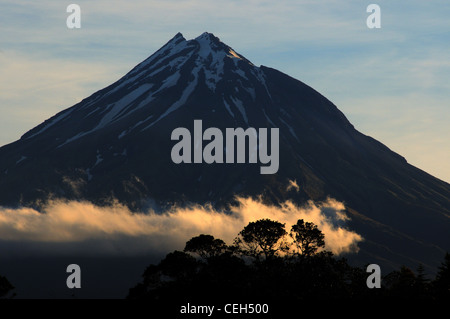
116 144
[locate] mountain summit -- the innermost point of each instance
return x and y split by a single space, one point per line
116 144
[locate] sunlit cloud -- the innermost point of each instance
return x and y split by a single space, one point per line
71 226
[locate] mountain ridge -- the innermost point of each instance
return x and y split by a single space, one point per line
116 144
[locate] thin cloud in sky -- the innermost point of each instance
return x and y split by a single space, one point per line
33 89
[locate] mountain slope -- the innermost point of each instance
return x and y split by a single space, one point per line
116 144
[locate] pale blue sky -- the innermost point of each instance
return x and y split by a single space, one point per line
392 83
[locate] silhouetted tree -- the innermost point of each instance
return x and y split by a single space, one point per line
307 237
173 274
401 283
317 275
206 246
421 284
442 281
177 265
5 287
262 237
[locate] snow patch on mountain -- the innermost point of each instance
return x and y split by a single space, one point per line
74 138
227 106
268 119
64 114
145 83
240 106
291 130
233 55
259 74
212 60
21 159
240 73
99 159
184 96
174 46
122 104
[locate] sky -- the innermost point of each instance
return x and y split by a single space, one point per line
392 83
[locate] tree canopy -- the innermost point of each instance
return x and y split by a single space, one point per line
208 270
5 287
205 246
262 237
307 237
